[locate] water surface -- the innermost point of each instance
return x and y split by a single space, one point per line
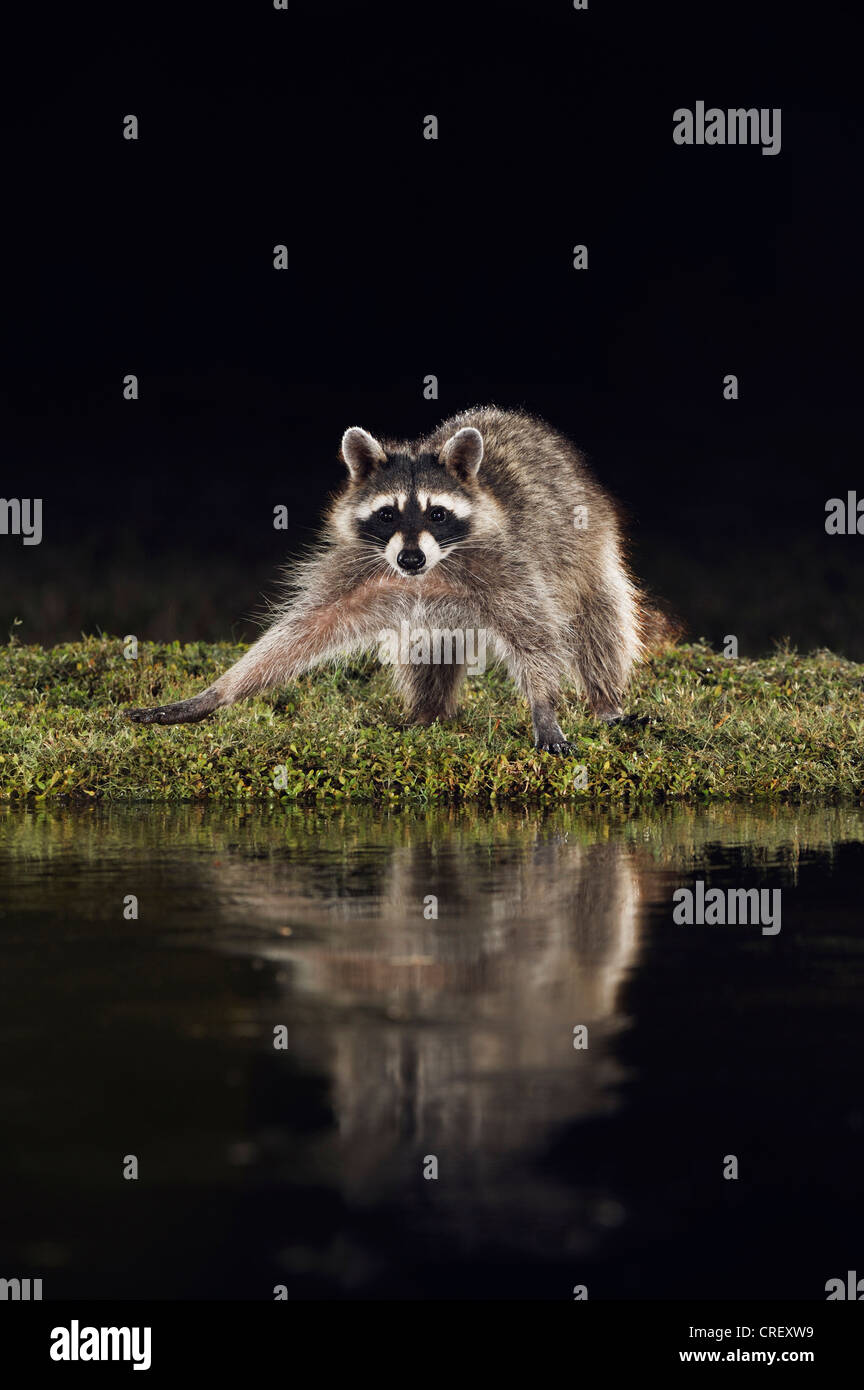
410 1037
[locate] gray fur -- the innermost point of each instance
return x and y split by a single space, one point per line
555 598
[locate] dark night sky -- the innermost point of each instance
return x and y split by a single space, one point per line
410 257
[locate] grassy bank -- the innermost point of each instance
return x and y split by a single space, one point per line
784 727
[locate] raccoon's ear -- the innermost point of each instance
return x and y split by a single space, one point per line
361 452
463 453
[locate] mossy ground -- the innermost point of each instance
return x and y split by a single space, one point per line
784 727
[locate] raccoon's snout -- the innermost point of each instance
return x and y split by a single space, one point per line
412 561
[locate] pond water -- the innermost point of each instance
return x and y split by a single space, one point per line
313 1011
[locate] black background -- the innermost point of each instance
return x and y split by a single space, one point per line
409 257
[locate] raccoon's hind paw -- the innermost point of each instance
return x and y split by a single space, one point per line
184 712
630 721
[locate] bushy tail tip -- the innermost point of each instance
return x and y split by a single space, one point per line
659 627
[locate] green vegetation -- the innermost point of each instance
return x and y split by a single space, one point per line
786 727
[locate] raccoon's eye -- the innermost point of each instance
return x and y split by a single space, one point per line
438 515
385 514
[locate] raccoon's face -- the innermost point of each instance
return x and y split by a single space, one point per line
413 511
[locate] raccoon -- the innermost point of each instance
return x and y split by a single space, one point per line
494 523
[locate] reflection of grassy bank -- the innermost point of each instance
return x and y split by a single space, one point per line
784 727
670 834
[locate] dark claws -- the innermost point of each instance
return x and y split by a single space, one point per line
185 712
156 715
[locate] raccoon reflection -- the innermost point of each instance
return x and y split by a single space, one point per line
456 1031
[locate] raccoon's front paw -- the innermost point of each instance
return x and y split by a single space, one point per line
154 715
184 712
560 747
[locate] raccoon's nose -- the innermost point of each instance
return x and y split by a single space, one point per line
411 560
